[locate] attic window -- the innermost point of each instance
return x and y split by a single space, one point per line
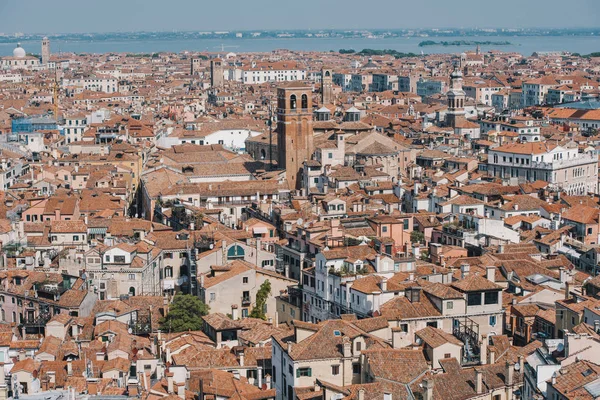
587 372
337 333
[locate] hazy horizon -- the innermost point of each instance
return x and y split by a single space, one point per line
118 16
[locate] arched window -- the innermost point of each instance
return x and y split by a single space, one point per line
327 73
293 102
168 272
263 154
304 102
132 291
235 252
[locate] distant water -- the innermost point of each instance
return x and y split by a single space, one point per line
525 45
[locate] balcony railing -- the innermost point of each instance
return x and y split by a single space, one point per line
39 320
246 301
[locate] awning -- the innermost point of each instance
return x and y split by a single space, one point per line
260 229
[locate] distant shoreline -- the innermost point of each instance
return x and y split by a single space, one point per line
464 43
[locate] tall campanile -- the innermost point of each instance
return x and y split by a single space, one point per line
45 51
294 130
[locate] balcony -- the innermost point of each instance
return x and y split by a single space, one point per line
246 301
36 321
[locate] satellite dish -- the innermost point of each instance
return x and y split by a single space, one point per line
300 221
517 366
560 347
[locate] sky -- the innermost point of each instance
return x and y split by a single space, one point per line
66 16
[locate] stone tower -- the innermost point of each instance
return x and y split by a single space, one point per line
456 99
195 64
294 130
216 72
326 86
45 51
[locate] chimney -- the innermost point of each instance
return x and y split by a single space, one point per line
242 359
492 356
521 364
483 350
597 326
428 385
361 394
347 346
234 312
289 347
564 275
567 291
276 320
383 284
464 270
268 382
478 381
22 355
181 390
500 249
508 374
490 273
516 207
170 388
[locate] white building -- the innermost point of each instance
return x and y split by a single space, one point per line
563 167
91 83
19 60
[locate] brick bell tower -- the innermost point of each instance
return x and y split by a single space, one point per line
294 130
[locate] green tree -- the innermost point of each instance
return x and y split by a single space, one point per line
261 300
185 313
417 237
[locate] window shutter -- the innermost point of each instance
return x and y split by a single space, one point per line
310 372
298 373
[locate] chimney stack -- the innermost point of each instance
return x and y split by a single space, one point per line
361 394
428 385
483 352
170 387
508 374
490 273
478 381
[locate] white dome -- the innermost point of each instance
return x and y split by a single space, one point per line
19 52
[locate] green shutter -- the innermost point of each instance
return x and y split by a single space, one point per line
310 372
298 373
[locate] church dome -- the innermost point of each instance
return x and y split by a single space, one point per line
19 52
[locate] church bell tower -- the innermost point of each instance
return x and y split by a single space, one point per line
294 130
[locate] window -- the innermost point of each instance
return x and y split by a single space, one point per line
335 370
168 272
449 305
120 259
492 320
245 279
491 298
356 368
75 238
132 277
329 155
358 346
213 296
474 299
405 224
384 229
303 372
447 355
